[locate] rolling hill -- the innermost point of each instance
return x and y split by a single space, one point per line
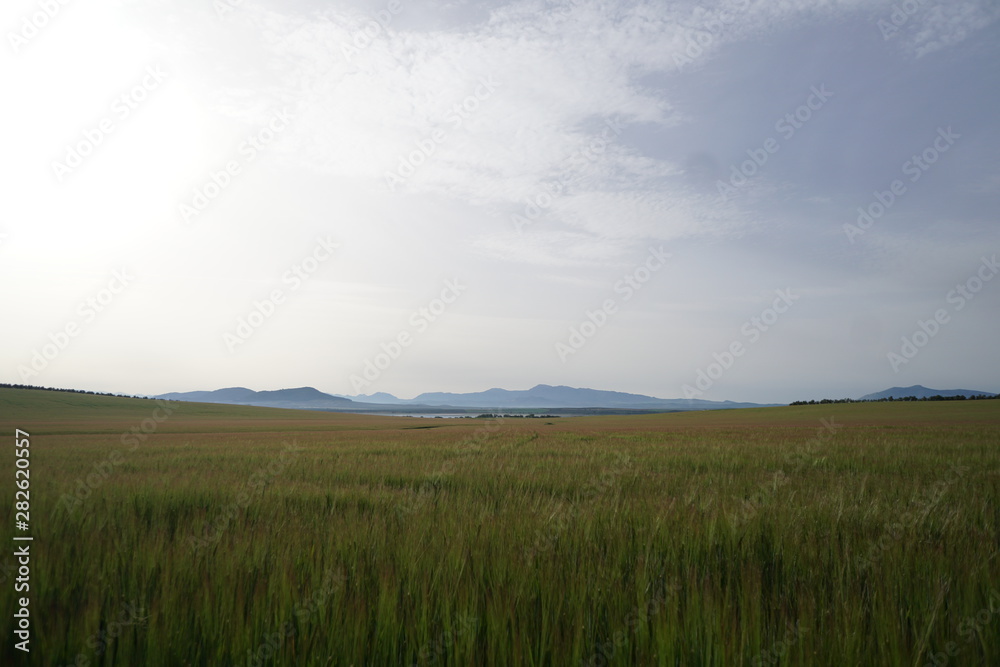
301 398
919 391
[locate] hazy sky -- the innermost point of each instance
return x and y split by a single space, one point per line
652 197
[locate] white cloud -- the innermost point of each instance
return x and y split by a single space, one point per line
541 138
924 27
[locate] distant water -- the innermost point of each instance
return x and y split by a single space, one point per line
426 415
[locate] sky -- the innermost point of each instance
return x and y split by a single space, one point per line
741 200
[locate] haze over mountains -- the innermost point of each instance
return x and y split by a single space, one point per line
300 398
540 396
921 391
547 396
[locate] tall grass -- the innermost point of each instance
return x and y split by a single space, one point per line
708 539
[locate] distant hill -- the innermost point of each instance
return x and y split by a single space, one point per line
548 397
66 411
301 398
379 397
228 395
541 396
919 391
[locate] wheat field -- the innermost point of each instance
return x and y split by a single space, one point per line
192 534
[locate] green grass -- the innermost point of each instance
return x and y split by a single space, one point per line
720 538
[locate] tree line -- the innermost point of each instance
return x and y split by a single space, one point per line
4 385
890 399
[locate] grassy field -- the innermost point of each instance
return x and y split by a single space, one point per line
192 534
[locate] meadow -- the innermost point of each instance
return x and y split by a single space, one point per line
193 534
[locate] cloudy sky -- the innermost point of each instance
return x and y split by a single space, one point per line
745 200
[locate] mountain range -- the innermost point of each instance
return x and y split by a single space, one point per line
547 396
541 396
921 391
301 398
